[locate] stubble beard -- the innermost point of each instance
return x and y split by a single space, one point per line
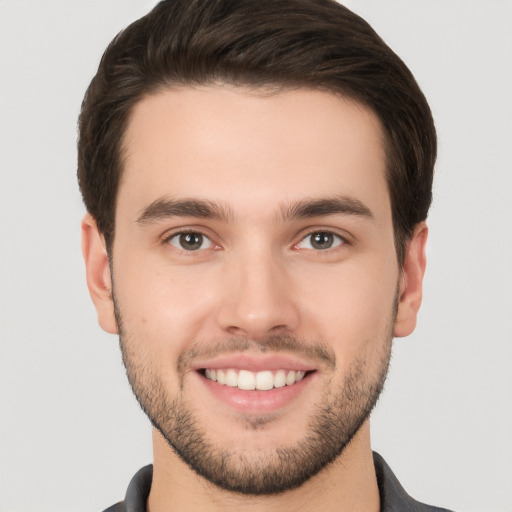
338 415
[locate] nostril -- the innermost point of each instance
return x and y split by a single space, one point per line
236 331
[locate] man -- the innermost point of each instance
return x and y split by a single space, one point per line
257 176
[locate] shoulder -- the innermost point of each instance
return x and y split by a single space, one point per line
393 496
137 492
118 507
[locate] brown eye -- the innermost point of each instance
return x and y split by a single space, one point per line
320 240
190 241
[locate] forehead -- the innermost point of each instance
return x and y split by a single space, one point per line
251 150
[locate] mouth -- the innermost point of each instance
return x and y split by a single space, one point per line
247 380
255 384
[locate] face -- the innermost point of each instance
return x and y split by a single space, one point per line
255 278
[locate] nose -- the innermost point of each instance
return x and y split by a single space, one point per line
258 298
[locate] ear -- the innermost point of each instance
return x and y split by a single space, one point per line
411 283
97 269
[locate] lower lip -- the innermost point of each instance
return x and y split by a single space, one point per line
255 401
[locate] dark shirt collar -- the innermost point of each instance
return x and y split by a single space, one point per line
393 497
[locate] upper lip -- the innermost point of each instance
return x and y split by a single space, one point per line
255 362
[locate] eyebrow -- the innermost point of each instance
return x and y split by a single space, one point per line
337 205
166 208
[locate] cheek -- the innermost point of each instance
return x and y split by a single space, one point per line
167 308
350 308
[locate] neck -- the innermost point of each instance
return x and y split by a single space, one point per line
349 483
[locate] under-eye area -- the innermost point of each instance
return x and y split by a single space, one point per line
261 381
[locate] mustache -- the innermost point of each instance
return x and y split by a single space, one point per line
287 343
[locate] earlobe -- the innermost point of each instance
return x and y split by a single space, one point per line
411 283
97 269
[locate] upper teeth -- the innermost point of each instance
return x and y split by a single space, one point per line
246 380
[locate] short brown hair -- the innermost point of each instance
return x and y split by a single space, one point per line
316 44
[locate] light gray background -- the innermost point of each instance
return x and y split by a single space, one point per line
72 435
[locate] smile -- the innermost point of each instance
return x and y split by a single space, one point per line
248 381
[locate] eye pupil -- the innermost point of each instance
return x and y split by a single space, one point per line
191 241
322 240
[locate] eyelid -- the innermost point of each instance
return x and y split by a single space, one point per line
176 237
344 238
172 233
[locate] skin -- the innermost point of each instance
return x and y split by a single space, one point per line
256 155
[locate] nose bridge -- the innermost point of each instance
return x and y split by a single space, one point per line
258 299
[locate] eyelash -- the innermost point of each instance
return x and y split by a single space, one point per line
177 235
338 241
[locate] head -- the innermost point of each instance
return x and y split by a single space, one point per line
257 174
